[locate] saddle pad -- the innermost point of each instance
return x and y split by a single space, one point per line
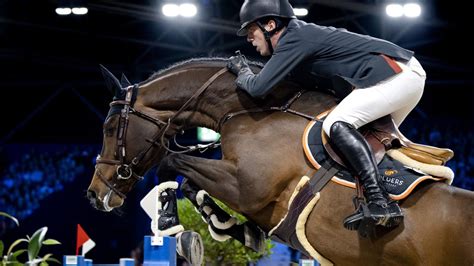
398 179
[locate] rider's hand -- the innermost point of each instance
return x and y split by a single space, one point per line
236 63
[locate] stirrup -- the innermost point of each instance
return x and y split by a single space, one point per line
365 222
394 215
353 221
361 221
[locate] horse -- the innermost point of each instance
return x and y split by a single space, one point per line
262 163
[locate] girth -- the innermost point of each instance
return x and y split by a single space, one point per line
286 231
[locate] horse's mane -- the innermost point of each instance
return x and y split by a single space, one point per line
196 62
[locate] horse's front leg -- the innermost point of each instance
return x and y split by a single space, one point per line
188 243
216 176
221 174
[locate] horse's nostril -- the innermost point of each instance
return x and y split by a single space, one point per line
91 194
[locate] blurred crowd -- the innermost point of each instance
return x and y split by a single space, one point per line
36 175
455 135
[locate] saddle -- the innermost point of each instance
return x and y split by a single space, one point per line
396 156
383 135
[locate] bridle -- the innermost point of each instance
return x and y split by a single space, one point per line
124 170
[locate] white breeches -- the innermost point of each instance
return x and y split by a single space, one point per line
397 96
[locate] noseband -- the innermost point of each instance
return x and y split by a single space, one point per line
124 170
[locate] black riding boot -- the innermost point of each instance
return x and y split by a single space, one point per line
357 154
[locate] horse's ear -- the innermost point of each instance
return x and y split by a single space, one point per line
111 81
124 81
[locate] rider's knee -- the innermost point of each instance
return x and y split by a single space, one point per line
329 122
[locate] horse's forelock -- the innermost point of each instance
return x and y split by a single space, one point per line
196 62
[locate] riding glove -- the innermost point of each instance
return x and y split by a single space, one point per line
237 63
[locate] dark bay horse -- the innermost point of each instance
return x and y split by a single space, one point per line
262 162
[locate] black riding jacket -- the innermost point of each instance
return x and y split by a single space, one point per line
327 58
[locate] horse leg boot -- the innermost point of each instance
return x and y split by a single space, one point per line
168 222
357 154
189 244
222 226
210 211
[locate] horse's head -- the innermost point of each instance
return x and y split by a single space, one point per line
131 145
141 121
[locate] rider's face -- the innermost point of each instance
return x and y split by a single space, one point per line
256 37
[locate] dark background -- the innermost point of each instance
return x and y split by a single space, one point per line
52 92
52 88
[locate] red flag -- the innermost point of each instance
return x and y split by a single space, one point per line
84 241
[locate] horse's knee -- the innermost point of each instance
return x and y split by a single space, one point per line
167 169
169 161
164 164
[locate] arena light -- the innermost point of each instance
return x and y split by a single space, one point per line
170 10
186 10
80 10
63 11
300 12
394 10
412 10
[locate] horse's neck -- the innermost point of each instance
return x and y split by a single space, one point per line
170 92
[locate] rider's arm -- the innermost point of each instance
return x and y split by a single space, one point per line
288 54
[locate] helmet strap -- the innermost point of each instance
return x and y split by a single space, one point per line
268 35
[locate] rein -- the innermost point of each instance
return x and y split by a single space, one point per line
125 171
186 104
284 108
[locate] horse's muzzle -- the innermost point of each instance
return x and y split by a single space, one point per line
103 198
94 200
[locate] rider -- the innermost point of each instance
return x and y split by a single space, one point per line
373 77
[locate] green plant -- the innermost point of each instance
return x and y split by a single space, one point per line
229 252
34 244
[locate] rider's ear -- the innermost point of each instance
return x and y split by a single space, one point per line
271 25
111 81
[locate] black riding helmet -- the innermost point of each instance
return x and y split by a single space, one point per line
264 10
254 10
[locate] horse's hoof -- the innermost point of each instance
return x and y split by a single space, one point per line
189 245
